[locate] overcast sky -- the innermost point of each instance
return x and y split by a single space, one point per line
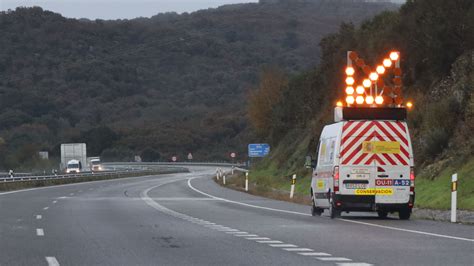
114 9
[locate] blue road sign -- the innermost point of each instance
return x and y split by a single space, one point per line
259 150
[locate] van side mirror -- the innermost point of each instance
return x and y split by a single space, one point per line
309 162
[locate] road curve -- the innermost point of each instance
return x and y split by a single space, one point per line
187 219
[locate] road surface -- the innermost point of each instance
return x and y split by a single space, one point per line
187 219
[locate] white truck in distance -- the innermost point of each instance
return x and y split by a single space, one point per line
73 166
73 151
364 163
94 164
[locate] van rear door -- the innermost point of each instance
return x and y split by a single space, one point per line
378 154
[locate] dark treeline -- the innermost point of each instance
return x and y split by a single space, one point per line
157 87
436 41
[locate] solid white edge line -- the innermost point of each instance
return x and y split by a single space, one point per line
353 264
39 232
340 219
52 261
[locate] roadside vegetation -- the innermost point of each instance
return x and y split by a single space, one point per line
437 51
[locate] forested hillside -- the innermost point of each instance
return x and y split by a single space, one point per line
436 41
171 84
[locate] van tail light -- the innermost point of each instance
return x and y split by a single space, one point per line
336 178
412 179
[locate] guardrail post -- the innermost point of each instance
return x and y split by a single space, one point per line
292 189
247 181
232 170
223 180
454 194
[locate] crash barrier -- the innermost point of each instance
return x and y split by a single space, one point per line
79 175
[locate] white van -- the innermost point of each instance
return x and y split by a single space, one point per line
73 166
364 164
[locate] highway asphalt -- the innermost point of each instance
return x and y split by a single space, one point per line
187 219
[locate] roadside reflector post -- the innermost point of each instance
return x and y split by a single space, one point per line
247 181
454 194
232 170
292 189
223 180
217 173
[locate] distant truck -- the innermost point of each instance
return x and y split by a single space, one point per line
73 166
73 151
94 164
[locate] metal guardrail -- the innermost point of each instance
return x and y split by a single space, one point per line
67 176
175 164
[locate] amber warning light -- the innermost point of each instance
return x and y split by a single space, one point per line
379 86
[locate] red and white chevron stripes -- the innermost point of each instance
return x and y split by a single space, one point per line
354 133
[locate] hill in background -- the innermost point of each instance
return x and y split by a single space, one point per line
167 85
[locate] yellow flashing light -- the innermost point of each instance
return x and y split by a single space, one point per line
379 100
369 99
349 90
359 99
350 99
350 71
394 56
380 70
367 83
350 81
360 90
373 76
387 63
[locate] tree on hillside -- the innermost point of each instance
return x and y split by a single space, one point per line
265 98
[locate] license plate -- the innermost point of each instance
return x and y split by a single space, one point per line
366 176
355 186
360 171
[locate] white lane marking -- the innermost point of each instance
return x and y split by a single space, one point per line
45 208
237 233
55 201
248 235
269 241
257 238
283 245
52 261
39 232
62 197
71 194
39 217
182 199
340 219
408 230
298 249
314 254
333 259
353 264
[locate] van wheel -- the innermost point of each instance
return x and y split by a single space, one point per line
382 214
315 211
404 214
333 212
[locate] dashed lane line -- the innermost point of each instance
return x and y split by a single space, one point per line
353 264
314 254
52 261
333 259
39 217
45 208
235 232
39 232
55 201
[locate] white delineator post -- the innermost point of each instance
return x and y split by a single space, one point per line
292 189
232 170
223 180
217 173
454 194
247 181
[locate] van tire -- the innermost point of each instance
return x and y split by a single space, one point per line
315 211
404 214
333 212
382 214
